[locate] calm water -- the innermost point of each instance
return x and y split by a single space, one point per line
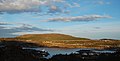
54 51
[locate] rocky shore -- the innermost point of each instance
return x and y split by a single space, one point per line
13 51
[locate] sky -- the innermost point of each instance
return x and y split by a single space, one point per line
95 19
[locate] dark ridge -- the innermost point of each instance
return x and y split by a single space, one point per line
19 43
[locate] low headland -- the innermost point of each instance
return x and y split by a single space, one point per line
64 41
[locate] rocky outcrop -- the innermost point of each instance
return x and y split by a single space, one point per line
14 52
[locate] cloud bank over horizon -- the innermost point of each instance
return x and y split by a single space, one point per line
6 31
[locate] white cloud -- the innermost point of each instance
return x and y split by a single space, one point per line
19 6
12 6
101 2
74 4
4 23
50 6
54 9
78 18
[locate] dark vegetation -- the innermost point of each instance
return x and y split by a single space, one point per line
19 43
14 51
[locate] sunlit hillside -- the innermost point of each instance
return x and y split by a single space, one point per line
46 37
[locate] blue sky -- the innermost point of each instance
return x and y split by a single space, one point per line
93 19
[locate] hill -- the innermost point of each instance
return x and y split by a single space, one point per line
64 41
47 37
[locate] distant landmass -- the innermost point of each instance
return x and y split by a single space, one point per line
52 36
64 41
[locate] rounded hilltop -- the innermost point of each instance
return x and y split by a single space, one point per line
50 36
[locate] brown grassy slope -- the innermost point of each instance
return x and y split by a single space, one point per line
62 40
50 37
